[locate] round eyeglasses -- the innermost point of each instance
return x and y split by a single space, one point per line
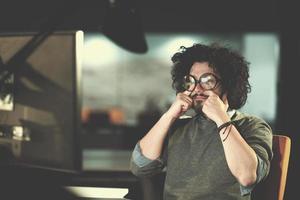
207 81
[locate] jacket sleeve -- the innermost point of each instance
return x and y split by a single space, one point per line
258 134
261 174
144 167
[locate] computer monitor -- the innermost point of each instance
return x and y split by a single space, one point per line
40 112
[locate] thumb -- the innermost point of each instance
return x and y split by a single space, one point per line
225 100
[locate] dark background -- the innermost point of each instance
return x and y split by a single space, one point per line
278 16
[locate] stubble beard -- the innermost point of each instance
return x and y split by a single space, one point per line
197 106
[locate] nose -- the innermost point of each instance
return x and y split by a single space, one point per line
198 88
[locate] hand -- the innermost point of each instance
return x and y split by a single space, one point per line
181 104
215 108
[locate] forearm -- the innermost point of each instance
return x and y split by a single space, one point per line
240 157
152 143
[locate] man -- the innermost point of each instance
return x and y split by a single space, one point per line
218 154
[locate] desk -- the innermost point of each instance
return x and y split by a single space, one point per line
19 182
101 199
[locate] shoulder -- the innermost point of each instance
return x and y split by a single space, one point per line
257 133
247 119
251 123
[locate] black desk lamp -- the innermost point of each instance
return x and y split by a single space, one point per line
122 24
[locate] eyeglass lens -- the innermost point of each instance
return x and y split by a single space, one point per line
207 82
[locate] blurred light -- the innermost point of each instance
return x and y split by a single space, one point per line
98 51
173 45
97 192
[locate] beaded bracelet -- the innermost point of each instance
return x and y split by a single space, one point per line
224 125
227 132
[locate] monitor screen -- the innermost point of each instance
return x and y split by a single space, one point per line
39 108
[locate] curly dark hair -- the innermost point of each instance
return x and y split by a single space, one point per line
232 68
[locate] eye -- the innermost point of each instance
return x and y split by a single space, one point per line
208 81
189 83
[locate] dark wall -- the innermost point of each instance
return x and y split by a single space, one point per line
287 121
167 15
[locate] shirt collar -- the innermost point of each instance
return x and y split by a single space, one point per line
191 113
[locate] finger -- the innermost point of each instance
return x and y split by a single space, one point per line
188 93
209 93
185 106
225 100
187 98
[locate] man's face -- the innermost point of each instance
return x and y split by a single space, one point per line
199 69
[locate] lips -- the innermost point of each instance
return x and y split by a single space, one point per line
200 97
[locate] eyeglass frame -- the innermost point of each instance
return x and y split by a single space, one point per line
218 80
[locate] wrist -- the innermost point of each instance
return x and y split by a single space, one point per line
223 119
168 117
224 128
